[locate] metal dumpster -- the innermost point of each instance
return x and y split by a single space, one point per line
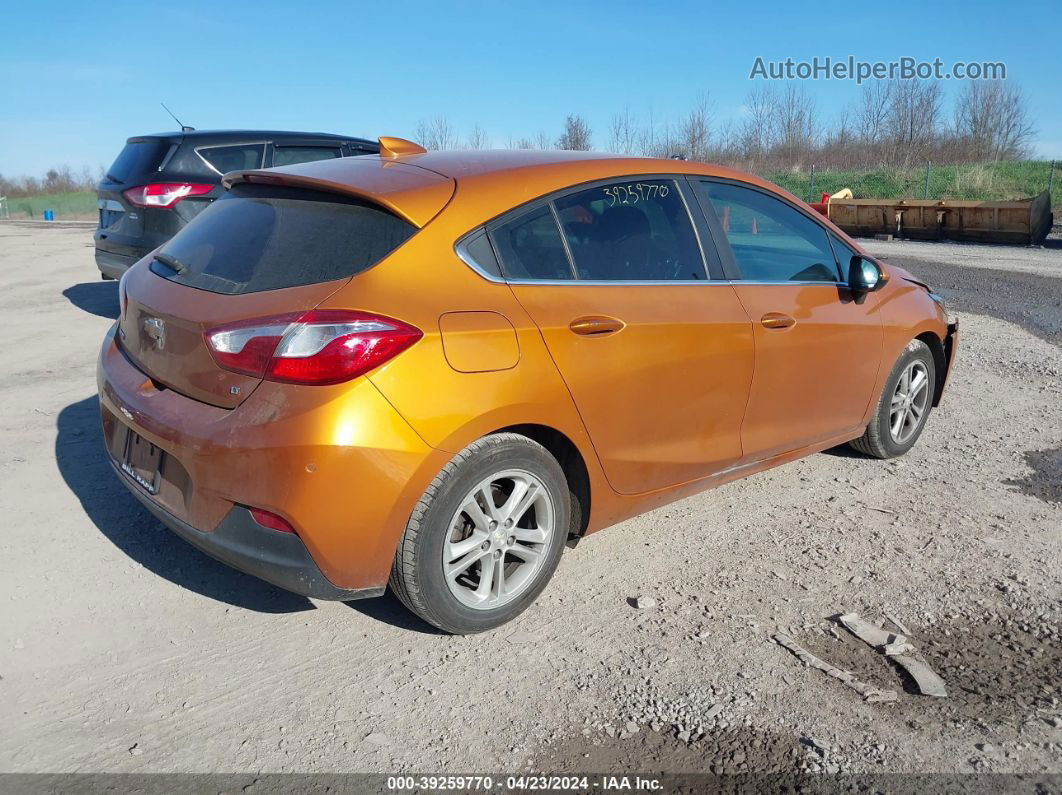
1022 221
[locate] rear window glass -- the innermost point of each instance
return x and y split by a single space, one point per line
233 158
259 238
286 155
137 159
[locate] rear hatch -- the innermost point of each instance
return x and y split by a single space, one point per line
259 252
120 223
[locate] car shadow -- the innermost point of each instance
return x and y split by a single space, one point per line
96 298
86 471
844 451
389 610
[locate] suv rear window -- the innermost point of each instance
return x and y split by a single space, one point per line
232 158
289 155
259 238
137 159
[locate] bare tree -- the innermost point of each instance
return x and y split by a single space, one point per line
695 132
725 147
992 120
793 123
436 133
576 135
757 131
477 139
913 121
623 133
872 111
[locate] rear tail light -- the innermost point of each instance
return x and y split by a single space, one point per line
164 194
271 520
323 346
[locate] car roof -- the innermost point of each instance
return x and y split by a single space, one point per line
531 171
221 136
485 183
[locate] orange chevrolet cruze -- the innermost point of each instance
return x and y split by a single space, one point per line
431 371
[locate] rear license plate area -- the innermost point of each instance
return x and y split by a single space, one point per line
142 461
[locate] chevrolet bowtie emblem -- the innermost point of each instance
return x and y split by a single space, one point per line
156 329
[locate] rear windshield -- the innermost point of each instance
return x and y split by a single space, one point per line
137 160
259 238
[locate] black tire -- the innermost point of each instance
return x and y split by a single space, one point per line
417 577
877 441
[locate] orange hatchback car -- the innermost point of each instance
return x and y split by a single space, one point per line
431 371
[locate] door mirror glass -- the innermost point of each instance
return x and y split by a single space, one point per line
864 276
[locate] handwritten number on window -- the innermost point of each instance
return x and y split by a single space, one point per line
635 192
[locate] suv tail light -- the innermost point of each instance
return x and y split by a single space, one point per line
323 346
164 194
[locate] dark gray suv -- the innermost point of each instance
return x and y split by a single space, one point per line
158 183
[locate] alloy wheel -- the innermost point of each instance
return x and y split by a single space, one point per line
498 539
909 402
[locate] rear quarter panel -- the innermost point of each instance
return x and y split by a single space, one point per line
423 282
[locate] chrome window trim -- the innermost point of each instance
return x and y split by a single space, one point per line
199 152
465 257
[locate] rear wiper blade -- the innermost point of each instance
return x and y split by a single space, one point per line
113 178
171 262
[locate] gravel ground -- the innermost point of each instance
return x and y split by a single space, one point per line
122 649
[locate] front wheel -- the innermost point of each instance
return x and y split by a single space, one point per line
486 537
904 405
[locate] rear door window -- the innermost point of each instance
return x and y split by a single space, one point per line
266 238
530 247
634 230
288 155
233 158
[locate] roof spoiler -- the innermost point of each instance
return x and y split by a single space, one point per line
410 192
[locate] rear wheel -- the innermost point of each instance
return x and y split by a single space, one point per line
904 405
484 540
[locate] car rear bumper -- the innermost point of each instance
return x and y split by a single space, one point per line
113 265
337 463
238 541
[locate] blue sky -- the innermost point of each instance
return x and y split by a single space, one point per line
79 78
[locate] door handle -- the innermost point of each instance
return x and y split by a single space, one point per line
777 320
595 325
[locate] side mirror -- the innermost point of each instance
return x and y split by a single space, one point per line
864 276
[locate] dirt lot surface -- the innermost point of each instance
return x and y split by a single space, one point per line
122 649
